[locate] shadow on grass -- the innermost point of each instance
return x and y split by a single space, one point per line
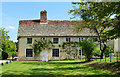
59 72
55 62
113 67
51 75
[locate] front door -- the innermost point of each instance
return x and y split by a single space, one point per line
44 55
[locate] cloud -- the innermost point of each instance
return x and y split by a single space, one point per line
11 27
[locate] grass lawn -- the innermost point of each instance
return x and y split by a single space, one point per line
107 60
67 68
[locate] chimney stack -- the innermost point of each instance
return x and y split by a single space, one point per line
43 16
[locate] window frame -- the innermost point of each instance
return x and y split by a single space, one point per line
58 51
69 39
81 52
80 39
55 43
31 41
26 52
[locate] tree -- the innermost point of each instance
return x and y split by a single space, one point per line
71 49
97 18
88 46
41 44
7 45
16 46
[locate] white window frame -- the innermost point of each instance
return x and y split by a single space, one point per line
43 39
80 38
69 39
58 41
27 41
55 48
26 51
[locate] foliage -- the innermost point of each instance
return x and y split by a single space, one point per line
8 46
4 55
96 51
41 44
108 50
97 18
16 46
71 49
87 46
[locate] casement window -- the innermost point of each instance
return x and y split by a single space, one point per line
67 39
29 40
55 40
55 52
29 52
80 52
43 38
80 39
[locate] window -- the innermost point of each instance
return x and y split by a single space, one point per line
67 39
55 40
43 38
55 52
80 39
29 52
29 40
80 52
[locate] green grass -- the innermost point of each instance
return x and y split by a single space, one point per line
107 59
67 68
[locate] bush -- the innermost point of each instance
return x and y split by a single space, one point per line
108 50
87 47
4 55
96 51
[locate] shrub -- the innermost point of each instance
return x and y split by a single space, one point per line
4 55
87 47
96 51
108 50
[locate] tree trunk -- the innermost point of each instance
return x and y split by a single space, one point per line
101 56
88 58
102 51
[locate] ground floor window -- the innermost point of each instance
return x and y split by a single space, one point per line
29 52
55 52
80 52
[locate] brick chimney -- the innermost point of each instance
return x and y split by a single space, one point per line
43 16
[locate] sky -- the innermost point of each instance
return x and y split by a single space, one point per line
12 12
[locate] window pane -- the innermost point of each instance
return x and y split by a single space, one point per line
29 40
80 39
43 38
29 52
55 53
80 52
67 39
55 40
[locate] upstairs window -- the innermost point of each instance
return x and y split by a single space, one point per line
55 40
80 39
43 38
29 52
29 40
55 52
67 39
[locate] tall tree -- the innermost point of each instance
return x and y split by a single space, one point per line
96 16
7 45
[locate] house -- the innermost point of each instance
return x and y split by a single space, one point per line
58 31
117 47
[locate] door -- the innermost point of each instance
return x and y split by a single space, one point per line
44 55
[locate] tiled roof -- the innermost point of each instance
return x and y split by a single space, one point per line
51 28
50 22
